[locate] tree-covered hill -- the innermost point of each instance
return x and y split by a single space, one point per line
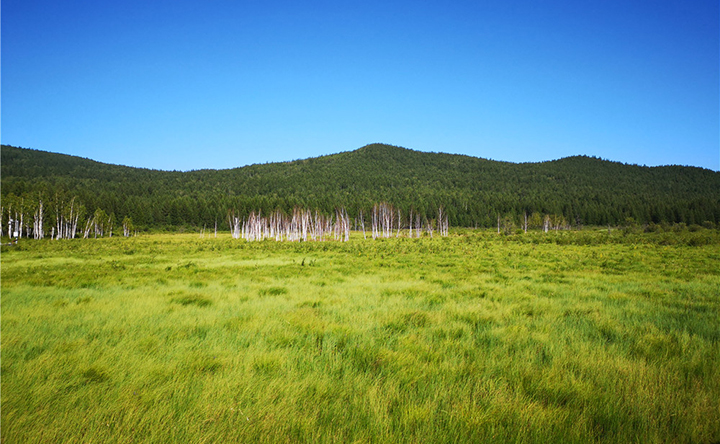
474 191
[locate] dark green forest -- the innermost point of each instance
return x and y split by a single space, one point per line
574 191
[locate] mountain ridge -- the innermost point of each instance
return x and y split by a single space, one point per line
475 190
363 148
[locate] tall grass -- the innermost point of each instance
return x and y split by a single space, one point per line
590 337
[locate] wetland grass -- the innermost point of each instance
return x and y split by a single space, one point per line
574 337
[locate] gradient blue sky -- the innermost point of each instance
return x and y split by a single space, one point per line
218 84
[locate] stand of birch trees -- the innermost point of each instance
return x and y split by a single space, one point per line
307 225
24 218
29 218
69 219
385 216
301 225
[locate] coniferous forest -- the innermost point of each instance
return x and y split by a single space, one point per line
47 191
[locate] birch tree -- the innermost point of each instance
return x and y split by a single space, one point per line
38 217
362 224
127 226
443 222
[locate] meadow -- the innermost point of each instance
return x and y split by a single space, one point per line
580 337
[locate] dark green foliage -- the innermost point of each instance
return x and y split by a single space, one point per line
94 374
192 299
273 291
579 190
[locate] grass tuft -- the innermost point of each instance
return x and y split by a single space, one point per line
94 375
193 299
273 291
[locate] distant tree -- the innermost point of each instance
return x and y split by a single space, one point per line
127 225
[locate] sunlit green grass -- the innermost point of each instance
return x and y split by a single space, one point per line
476 337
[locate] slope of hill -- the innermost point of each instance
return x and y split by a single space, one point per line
474 191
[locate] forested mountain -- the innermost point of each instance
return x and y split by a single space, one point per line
474 191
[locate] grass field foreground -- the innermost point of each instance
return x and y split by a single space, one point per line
558 337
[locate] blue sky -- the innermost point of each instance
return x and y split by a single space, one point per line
219 84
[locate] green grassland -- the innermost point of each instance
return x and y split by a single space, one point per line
559 337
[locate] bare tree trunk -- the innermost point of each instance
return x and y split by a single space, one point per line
88 227
362 223
347 225
399 223
410 220
41 217
58 218
37 222
74 225
443 223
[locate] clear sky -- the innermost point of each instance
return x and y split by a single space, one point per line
176 84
